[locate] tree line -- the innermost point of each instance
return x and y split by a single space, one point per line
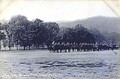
20 32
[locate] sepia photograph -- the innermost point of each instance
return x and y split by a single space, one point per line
59 39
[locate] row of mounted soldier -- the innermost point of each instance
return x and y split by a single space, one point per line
72 47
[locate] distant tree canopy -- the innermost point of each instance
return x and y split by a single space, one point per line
19 31
78 34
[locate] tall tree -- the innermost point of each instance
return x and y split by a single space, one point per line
12 28
2 37
38 32
52 31
9 34
99 37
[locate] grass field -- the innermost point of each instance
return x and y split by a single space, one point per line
42 64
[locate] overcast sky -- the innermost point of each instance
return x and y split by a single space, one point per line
57 10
